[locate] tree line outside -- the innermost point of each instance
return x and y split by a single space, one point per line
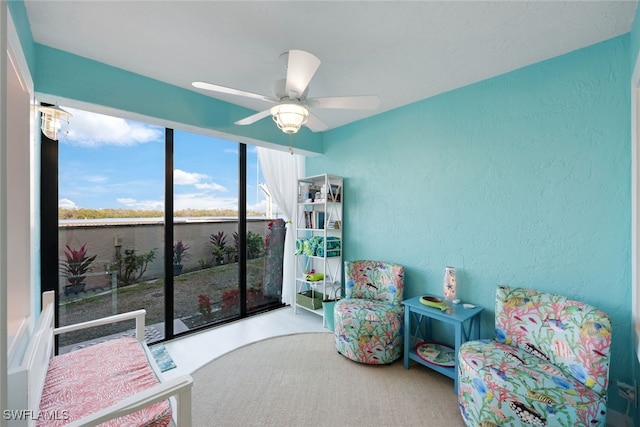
87 213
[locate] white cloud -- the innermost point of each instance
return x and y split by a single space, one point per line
92 129
96 178
67 204
261 206
181 177
211 186
141 204
203 201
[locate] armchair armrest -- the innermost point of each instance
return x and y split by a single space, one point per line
179 386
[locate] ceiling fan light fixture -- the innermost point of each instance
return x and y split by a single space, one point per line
51 121
289 116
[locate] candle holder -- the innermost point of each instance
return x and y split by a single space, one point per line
449 283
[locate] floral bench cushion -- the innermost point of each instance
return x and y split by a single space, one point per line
84 381
515 387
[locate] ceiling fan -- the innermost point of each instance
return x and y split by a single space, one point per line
291 109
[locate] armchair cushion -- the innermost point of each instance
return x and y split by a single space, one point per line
571 335
549 363
368 321
374 280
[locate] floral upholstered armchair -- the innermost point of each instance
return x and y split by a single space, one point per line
369 320
548 365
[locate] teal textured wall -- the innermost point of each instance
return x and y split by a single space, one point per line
635 51
21 21
62 74
522 180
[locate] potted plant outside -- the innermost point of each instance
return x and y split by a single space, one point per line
131 266
75 268
219 244
179 253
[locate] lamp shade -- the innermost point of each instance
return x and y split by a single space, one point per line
289 116
51 117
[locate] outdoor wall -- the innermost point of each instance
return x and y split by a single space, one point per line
101 239
521 180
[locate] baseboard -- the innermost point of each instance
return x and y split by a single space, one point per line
618 419
18 339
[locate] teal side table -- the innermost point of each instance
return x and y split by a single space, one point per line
418 319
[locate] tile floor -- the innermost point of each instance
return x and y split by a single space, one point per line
193 351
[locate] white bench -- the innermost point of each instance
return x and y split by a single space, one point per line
27 379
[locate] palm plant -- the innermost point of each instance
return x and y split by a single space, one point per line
219 243
179 252
77 264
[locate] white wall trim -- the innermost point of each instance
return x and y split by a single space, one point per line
3 207
635 197
17 56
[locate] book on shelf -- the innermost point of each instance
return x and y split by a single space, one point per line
308 193
314 219
308 219
318 220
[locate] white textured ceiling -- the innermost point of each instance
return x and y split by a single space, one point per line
402 51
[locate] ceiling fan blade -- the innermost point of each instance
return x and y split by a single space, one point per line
231 91
254 118
315 124
365 102
300 70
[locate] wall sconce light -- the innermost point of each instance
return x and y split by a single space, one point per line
52 116
449 283
289 116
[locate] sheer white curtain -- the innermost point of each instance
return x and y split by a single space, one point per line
281 171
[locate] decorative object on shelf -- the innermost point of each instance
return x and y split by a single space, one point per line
310 299
315 245
436 354
449 284
51 121
434 302
314 277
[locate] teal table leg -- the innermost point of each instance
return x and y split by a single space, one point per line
407 335
458 343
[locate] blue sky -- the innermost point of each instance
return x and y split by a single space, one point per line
109 162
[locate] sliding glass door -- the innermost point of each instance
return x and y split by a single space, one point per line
118 183
110 225
205 230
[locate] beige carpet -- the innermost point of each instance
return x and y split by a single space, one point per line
300 380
